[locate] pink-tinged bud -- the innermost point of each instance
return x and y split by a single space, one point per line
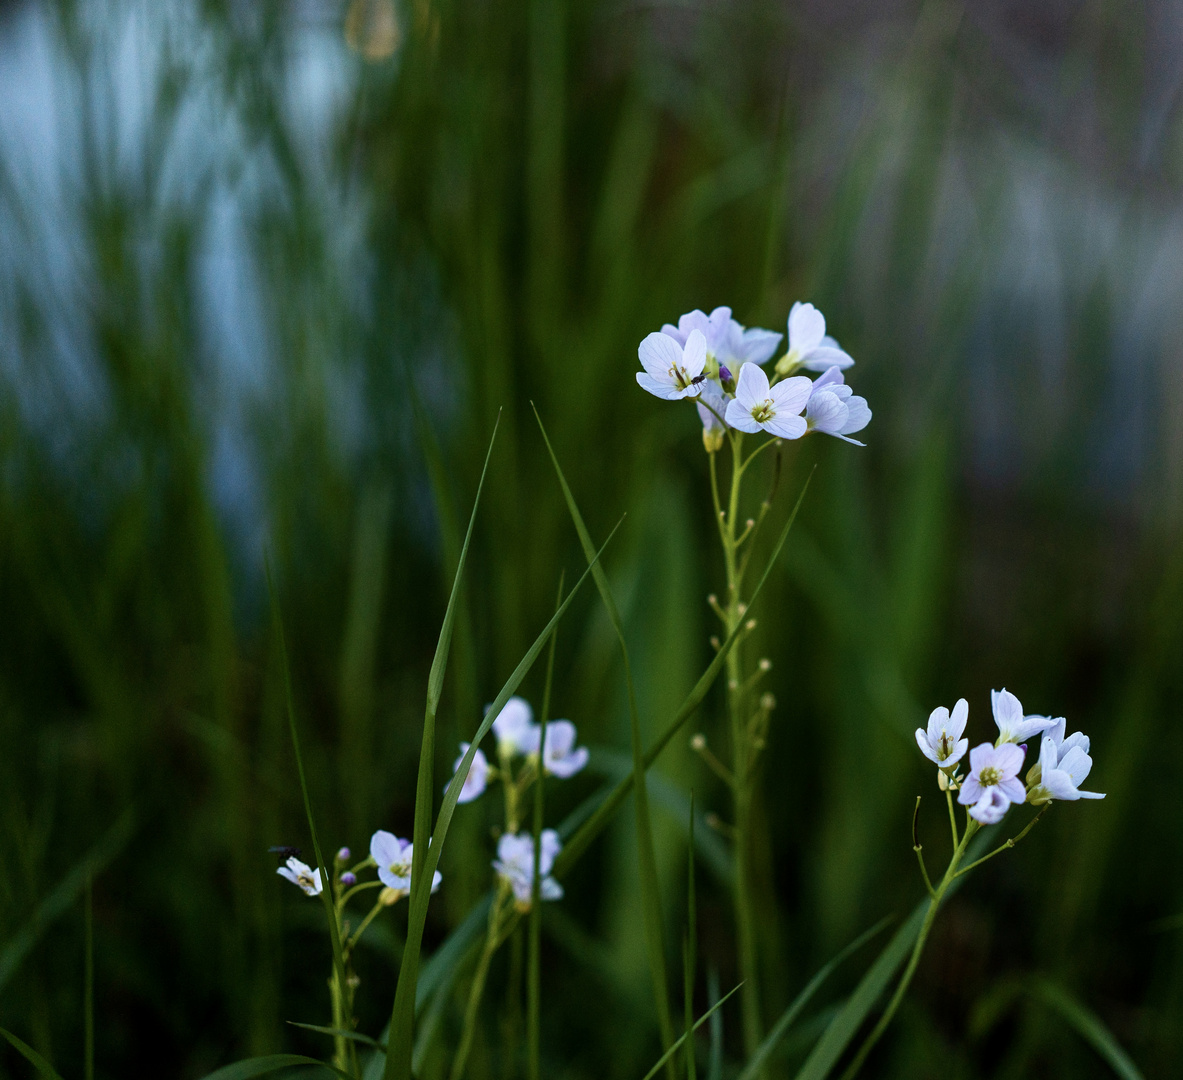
343 854
348 879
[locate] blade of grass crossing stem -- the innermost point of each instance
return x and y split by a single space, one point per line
398 1060
674 1047
650 895
263 1066
534 960
435 684
88 987
326 892
843 1028
1088 1026
595 824
690 951
760 1058
39 1063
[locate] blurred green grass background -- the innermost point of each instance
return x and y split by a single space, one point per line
269 273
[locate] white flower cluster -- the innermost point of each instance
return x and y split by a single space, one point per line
714 360
390 854
993 784
518 736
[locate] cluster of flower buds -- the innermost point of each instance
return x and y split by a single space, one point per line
715 361
992 784
518 736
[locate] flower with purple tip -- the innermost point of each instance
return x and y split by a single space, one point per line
993 783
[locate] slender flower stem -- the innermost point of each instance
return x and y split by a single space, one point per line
492 940
1006 846
952 818
934 905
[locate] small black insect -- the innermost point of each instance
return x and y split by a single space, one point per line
697 379
284 852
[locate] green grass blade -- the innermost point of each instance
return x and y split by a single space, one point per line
326 892
715 1068
595 824
398 1060
668 1055
63 896
1088 1025
88 987
760 1058
650 894
402 1021
534 959
843 1028
39 1063
262 1066
355 1036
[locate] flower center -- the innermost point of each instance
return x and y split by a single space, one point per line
401 869
989 776
763 412
946 747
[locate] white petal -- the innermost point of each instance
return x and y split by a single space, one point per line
958 718
658 353
822 358
756 345
858 415
826 413
740 418
786 427
385 848
926 747
751 388
694 359
938 721
664 390
790 395
807 327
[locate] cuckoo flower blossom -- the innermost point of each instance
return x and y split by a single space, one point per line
728 342
393 856
809 345
992 784
515 864
301 874
1013 726
942 742
514 728
478 774
775 409
672 371
560 756
834 409
1063 766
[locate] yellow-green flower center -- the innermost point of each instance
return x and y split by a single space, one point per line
763 412
988 776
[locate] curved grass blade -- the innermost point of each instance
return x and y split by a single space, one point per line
650 890
596 823
661 1061
326 890
59 901
780 1029
1088 1026
262 1066
25 1050
398 1060
355 1036
690 951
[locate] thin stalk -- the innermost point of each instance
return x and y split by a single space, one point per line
476 991
934 906
1006 846
952 818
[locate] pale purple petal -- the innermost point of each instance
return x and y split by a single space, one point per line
858 415
807 327
786 427
664 390
826 413
694 359
751 389
790 395
658 353
823 357
958 718
991 807
740 418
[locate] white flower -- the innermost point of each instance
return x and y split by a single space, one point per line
560 756
393 856
672 372
514 728
992 784
777 409
728 342
1063 766
809 345
942 742
515 864
834 410
301 874
478 774
1013 726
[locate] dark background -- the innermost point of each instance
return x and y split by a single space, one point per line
241 241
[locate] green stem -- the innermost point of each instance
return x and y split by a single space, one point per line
952 818
492 940
1006 846
934 906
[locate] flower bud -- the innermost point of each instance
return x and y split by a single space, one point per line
390 896
348 879
698 743
712 439
343 854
